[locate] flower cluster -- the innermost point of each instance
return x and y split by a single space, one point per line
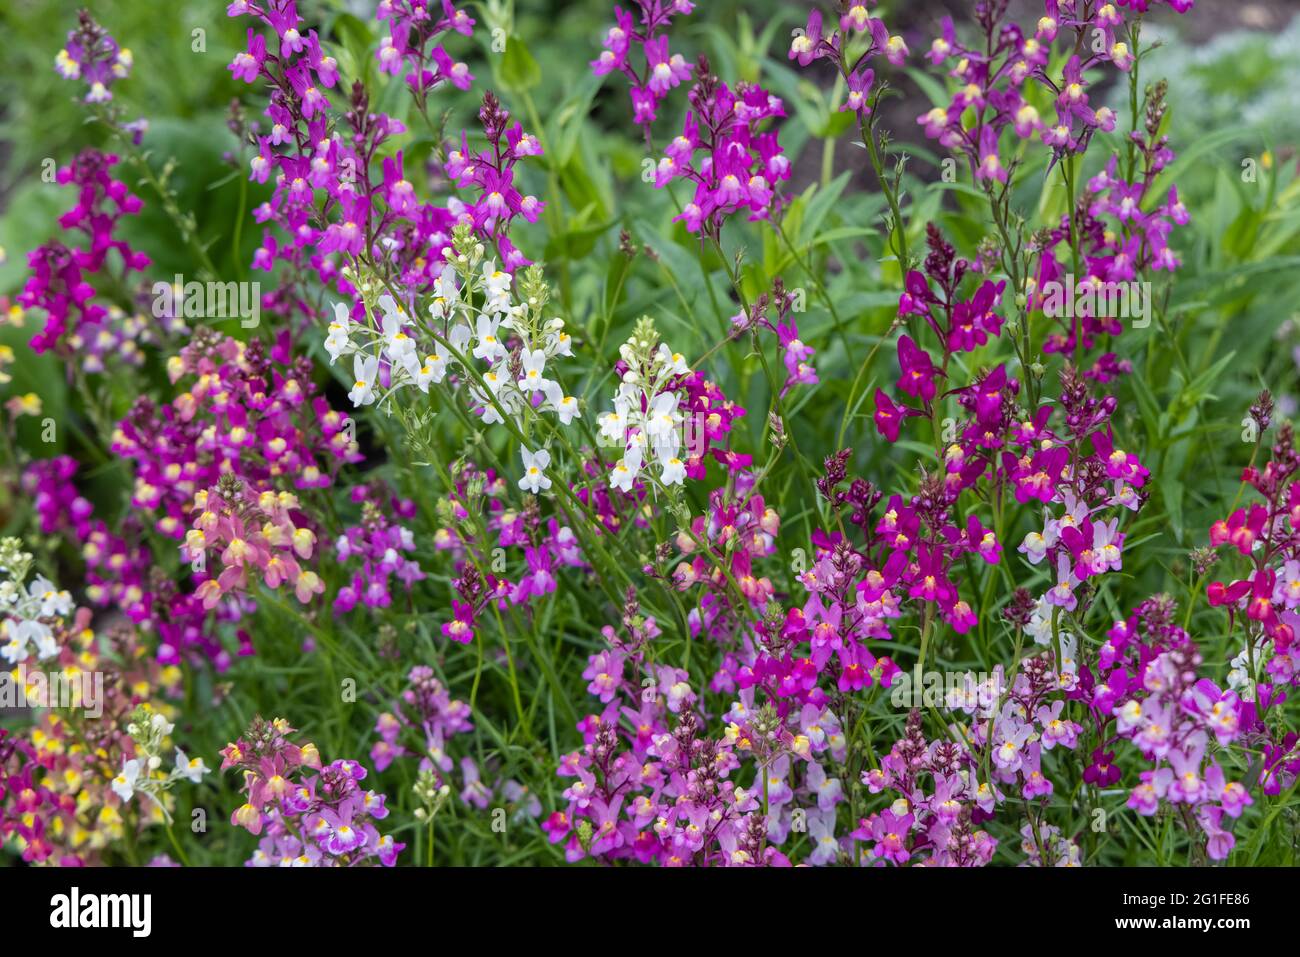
934 820
912 550
484 535
301 149
649 420
141 774
61 277
722 547
413 30
426 719
1122 234
254 535
94 57
991 74
492 173
378 543
646 790
306 814
961 324
59 798
815 43
240 412
117 566
795 353
475 315
661 69
1148 684
1083 542
722 150
1268 595
30 610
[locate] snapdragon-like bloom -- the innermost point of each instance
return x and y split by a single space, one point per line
841 47
66 778
29 610
991 75
725 151
1265 600
651 424
238 537
489 336
307 814
378 549
659 70
413 28
93 57
66 279
492 172
1148 685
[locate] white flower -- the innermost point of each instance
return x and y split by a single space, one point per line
29 630
489 347
192 769
339 342
674 471
446 297
490 414
46 646
565 406
534 364
1240 679
124 783
674 362
613 425
667 446
662 417
558 342
366 371
161 726
493 381
626 471
496 282
410 365
1040 625
460 337
15 649
397 343
53 603
497 305
433 370
534 477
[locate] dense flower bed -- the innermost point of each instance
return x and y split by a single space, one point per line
556 568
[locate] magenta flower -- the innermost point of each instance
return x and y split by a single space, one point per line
890 832
461 627
918 373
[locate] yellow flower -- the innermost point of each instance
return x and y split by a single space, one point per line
29 404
